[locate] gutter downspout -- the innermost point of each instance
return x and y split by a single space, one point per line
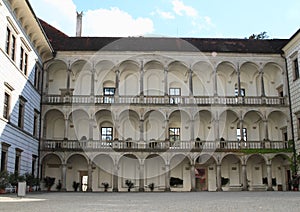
41 104
291 116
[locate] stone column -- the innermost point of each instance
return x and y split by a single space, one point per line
142 82
167 178
239 80
92 82
244 177
66 134
142 180
193 177
191 90
68 79
91 129
166 82
266 137
215 82
166 129
115 179
64 177
269 177
90 176
192 128
117 83
216 127
241 123
262 83
141 130
219 178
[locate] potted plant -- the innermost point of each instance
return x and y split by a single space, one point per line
58 186
129 184
30 180
49 182
106 185
3 181
75 185
151 186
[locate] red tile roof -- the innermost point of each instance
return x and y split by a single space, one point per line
62 42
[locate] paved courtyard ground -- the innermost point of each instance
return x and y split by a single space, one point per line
183 201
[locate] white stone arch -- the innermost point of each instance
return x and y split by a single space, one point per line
226 78
231 169
256 170
278 126
249 71
105 75
178 77
228 124
129 78
181 119
54 124
154 126
281 171
129 165
154 78
103 171
57 76
77 164
273 79
155 170
129 125
203 81
104 118
253 122
79 125
81 77
203 126
178 169
51 167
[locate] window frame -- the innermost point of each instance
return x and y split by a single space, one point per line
21 112
174 134
238 134
108 94
105 135
175 94
23 60
35 123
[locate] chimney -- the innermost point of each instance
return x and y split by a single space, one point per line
79 24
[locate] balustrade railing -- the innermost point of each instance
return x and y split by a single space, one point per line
73 145
171 100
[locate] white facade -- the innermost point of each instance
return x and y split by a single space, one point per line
20 86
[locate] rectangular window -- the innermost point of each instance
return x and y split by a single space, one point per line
21 112
35 123
174 134
239 136
109 94
23 61
37 75
18 160
6 105
106 133
3 160
242 92
175 94
13 47
8 37
296 69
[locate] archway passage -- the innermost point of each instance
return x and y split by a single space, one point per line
205 173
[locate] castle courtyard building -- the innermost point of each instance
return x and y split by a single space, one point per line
178 114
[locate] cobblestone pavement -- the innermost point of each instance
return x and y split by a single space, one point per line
181 201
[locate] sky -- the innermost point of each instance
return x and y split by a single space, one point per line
173 18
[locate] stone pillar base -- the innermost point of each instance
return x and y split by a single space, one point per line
115 190
167 189
270 189
193 190
219 189
63 189
141 189
89 189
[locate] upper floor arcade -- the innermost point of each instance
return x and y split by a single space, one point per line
185 78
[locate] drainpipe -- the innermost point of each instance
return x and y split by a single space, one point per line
291 116
41 101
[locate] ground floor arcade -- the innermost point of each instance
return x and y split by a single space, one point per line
168 171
